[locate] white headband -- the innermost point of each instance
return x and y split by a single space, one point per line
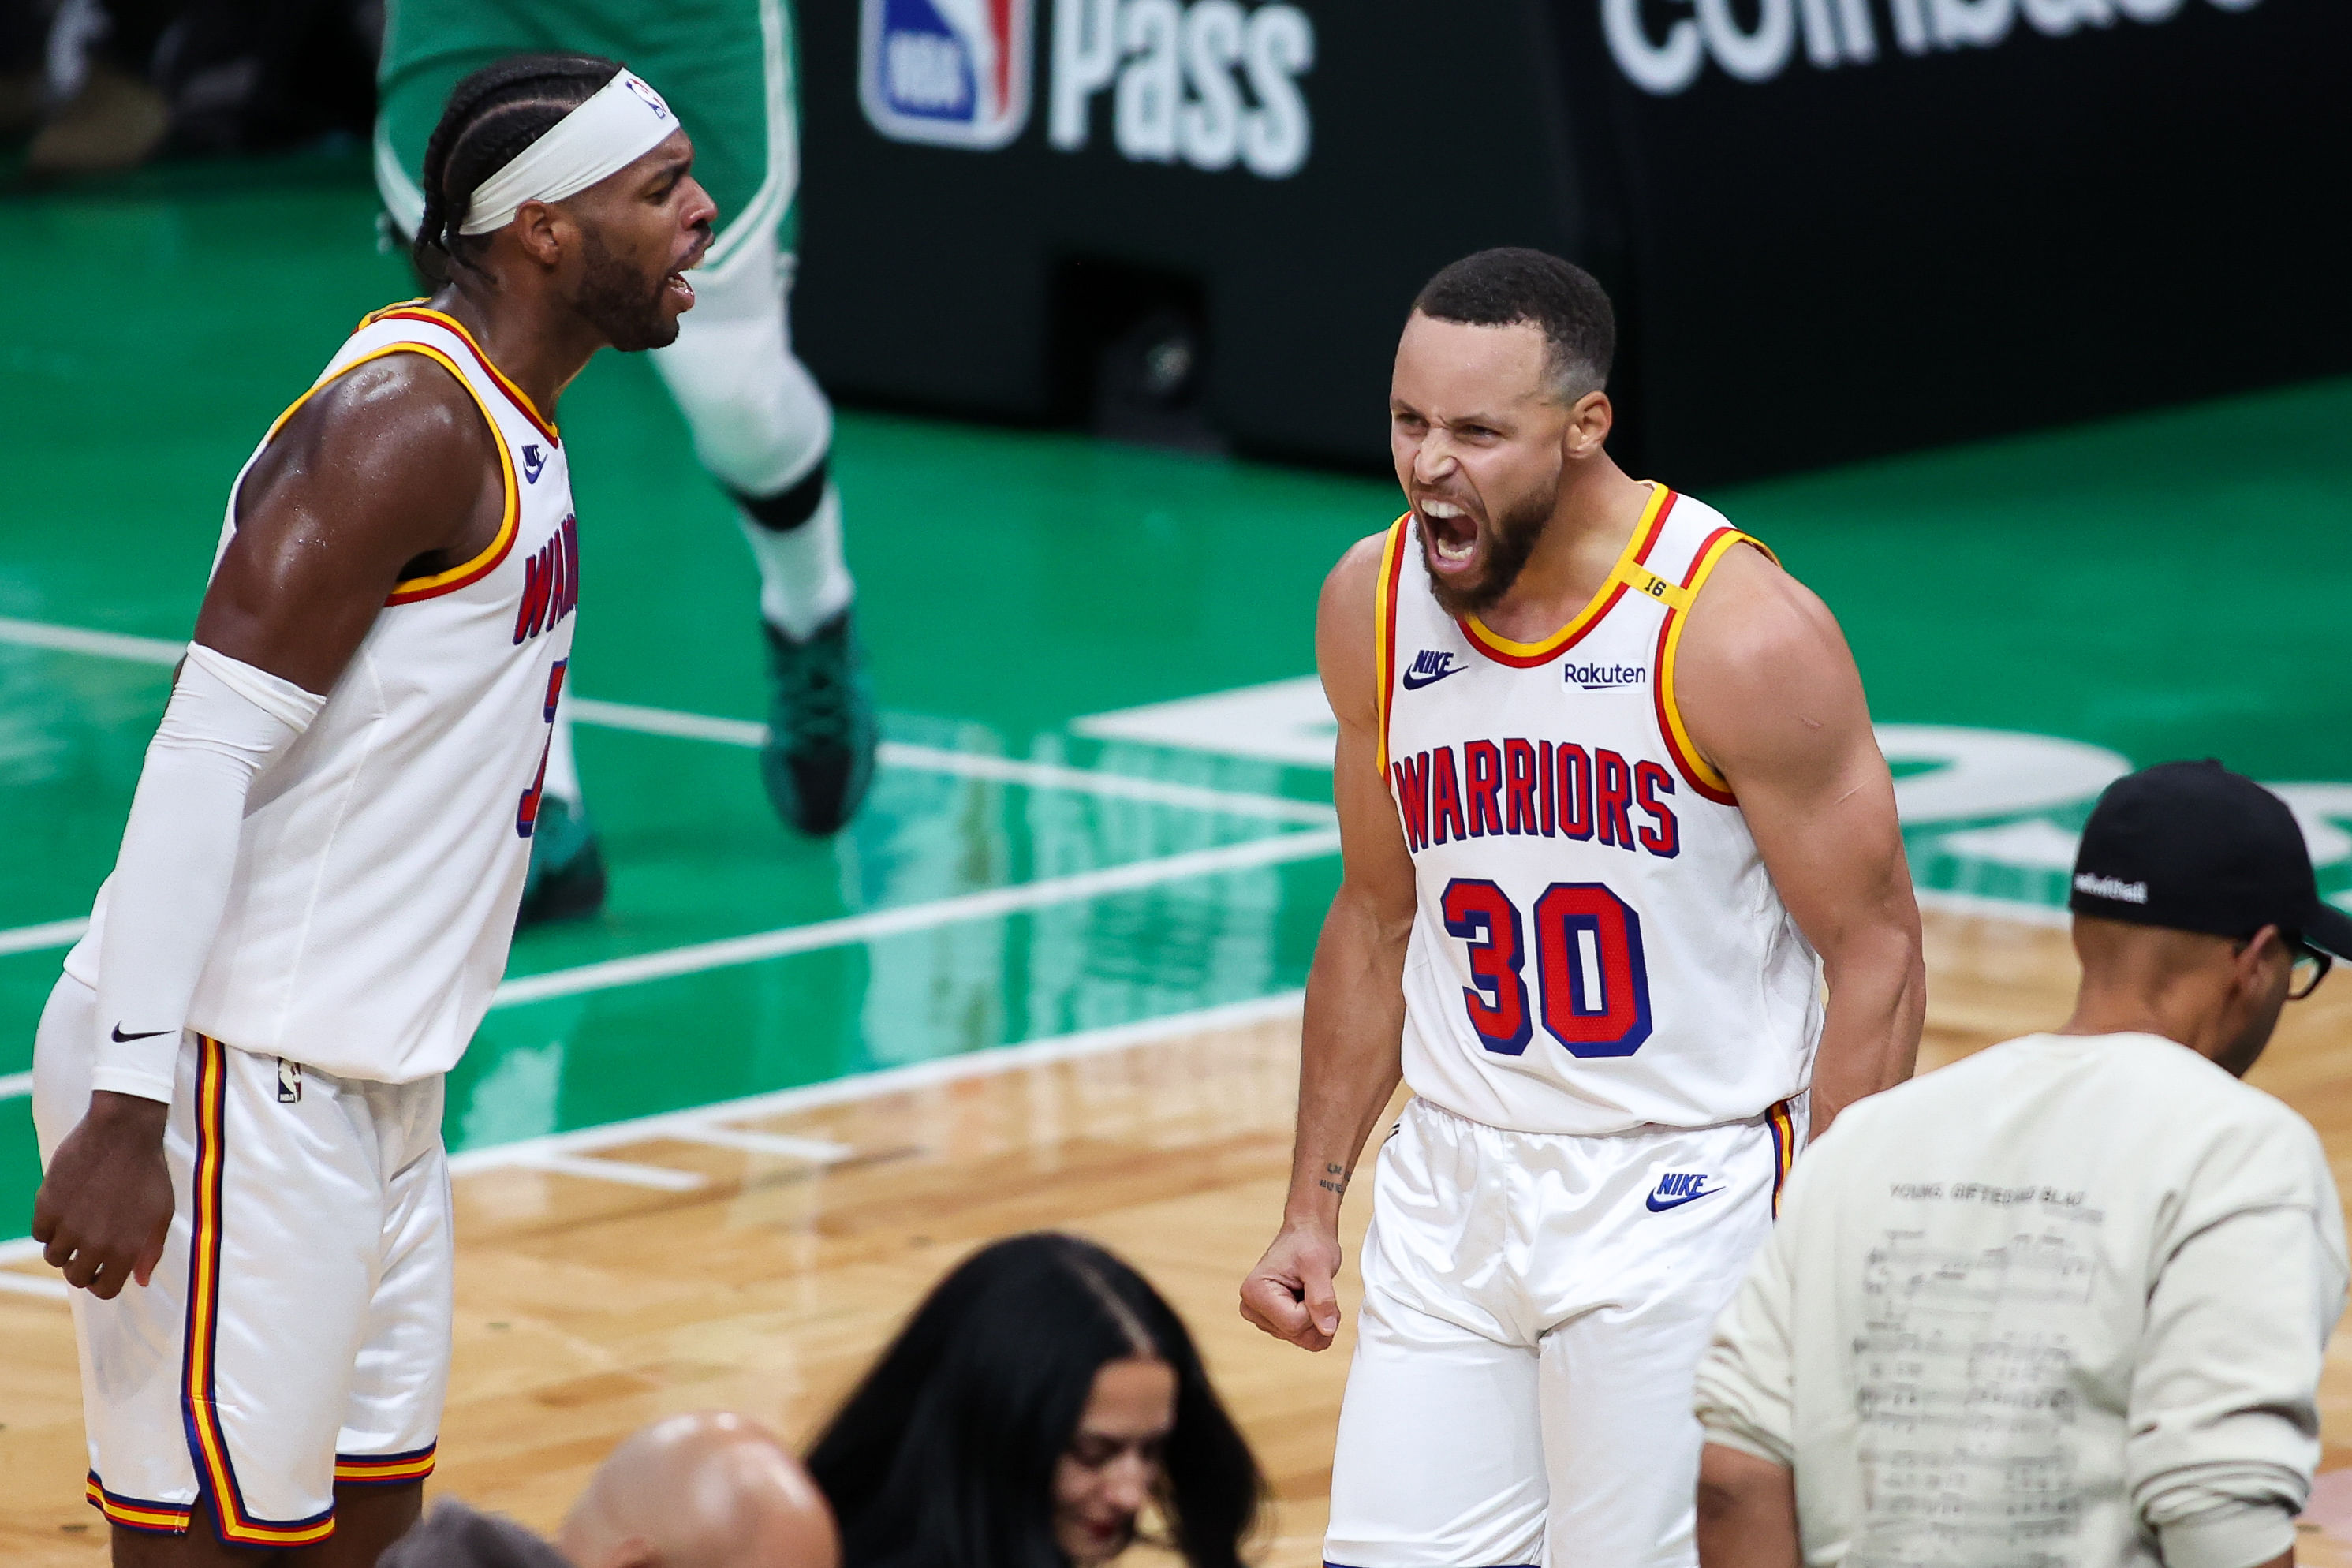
621 123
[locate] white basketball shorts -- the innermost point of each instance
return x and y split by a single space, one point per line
295 1334
1535 1307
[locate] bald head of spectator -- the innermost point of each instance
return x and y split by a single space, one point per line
709 1491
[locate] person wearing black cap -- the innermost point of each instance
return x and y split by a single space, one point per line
2065 1302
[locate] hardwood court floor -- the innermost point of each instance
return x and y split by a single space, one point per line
587 1307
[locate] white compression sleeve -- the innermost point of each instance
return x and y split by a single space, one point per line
224 723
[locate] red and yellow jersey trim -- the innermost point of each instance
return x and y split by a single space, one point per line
210 1443
1384 626
1701 774
133 1513
408 590
384 1469
418 311
1628 573
1783 1122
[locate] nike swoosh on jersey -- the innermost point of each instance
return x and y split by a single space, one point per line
122 1039
1414 682
1657 1207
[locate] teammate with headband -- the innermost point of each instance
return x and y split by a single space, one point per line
237 1081
759 423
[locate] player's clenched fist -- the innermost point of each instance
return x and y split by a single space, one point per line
1289 1293
105 1205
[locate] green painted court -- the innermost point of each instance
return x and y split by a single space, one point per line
2031 615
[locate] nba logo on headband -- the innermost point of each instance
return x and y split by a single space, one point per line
653 100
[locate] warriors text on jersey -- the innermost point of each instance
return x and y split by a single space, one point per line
382 853
1597 945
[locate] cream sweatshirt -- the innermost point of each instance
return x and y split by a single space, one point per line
2059 1305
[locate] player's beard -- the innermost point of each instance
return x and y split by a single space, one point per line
621 303
1510 541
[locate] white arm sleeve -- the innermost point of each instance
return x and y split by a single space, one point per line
225 722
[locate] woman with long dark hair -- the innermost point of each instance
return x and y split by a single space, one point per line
1040 1398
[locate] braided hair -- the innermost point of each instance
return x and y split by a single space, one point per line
491 116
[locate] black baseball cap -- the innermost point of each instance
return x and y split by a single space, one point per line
2194 846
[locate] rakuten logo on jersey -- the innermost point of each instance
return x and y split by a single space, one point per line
1664 56
1213 83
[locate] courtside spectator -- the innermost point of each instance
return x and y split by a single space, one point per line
1038 1402
709 1491
2065 1302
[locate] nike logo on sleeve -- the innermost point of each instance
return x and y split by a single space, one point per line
122 1039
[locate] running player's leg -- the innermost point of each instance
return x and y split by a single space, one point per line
1620 1443
765 431
1439 1462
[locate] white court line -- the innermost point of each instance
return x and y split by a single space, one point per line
1983 908
965 764
104 645
623 1170
745 732
566 1153
694 1124
988 904
51 933
779 1145
24 1249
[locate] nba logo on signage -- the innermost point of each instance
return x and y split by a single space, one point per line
954 72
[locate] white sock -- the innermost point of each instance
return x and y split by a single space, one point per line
563 770
803 580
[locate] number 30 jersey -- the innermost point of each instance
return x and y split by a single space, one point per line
1597 945
382 853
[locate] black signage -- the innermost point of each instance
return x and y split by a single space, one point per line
1833 227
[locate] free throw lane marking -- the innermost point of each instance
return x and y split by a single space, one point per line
700 1124
987 904
745 732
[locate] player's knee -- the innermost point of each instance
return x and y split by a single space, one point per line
758 420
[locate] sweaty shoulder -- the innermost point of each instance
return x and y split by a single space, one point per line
400 441
1345 633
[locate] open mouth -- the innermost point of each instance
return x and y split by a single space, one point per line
1452 533
675 285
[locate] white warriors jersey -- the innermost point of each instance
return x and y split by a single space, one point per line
382 853
1597 945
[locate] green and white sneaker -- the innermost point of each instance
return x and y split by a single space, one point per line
567 870
818 760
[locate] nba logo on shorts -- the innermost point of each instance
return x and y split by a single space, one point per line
954 73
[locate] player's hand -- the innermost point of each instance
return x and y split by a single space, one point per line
1289 1293
105 1205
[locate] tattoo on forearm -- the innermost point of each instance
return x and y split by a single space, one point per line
1328 1183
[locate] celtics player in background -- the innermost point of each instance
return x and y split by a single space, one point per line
761 425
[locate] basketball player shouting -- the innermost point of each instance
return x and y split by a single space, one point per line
237 1081
1607 787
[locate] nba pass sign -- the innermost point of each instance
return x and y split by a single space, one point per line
952 72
